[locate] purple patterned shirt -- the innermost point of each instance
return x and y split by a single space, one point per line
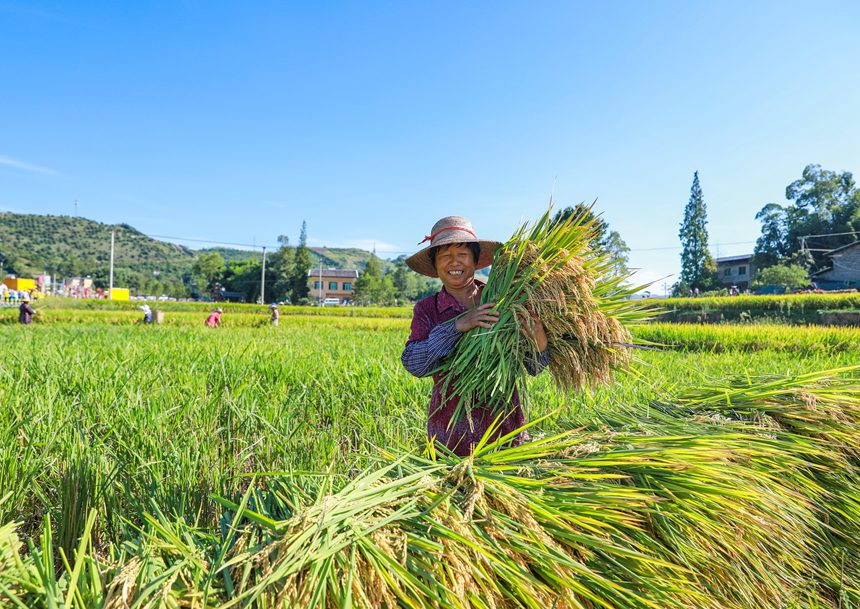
434 336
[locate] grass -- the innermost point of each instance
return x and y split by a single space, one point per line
115 438
770 337
61 304
791 308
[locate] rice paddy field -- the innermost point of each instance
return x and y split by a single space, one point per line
180 466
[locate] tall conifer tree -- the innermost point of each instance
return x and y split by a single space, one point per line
697 266
301 266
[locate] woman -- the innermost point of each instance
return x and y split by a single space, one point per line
440 320
214 319
25 311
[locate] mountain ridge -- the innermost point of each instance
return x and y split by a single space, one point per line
67 246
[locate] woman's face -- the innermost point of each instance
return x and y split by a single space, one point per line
455 265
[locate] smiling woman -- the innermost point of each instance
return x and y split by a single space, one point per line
440 320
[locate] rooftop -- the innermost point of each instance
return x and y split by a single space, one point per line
840 250
735 258
352 274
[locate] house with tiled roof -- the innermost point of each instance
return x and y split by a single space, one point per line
736 271
332 283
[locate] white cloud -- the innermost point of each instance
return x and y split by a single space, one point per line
364 244
10 162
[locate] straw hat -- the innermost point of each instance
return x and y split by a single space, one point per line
25 297
450 229
219 310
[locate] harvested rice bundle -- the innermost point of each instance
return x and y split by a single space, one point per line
574 521
551 270
819 413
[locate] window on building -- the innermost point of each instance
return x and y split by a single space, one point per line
332 285
742 270
347 285
316 285
727 272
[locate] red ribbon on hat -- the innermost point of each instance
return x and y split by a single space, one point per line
442 230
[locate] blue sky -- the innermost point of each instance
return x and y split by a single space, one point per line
236 121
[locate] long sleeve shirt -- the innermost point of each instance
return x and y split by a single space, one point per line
25 313
434 336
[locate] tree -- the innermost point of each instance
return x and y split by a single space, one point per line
243 276
281 266
822 203
697 267
772 245
207 269
385 292
301 265
368 286
609 241
791 276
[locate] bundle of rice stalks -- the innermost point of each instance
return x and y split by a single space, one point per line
572 521
819 414
551 271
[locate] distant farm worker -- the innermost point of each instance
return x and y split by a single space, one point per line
25 311
214 319
440 320
276 315
147 313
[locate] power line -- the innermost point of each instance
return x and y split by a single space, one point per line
251 245
258 246
827 235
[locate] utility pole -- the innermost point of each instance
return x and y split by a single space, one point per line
263 279
321 292
110 282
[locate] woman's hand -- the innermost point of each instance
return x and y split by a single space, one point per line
533 329
479 317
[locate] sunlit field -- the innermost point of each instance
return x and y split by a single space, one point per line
130 424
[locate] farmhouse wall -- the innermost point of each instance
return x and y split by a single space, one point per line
846 266
336 283
736 271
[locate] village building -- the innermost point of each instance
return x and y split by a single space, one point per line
19 283
326 285
78 287
844 271
736 271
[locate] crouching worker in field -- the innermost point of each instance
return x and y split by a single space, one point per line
214 319
440 320
147 314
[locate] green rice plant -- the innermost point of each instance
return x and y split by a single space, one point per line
581 520
819 413
720 338
549 271
789 308
156 420
92 304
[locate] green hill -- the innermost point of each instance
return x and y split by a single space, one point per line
66 246
344 258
